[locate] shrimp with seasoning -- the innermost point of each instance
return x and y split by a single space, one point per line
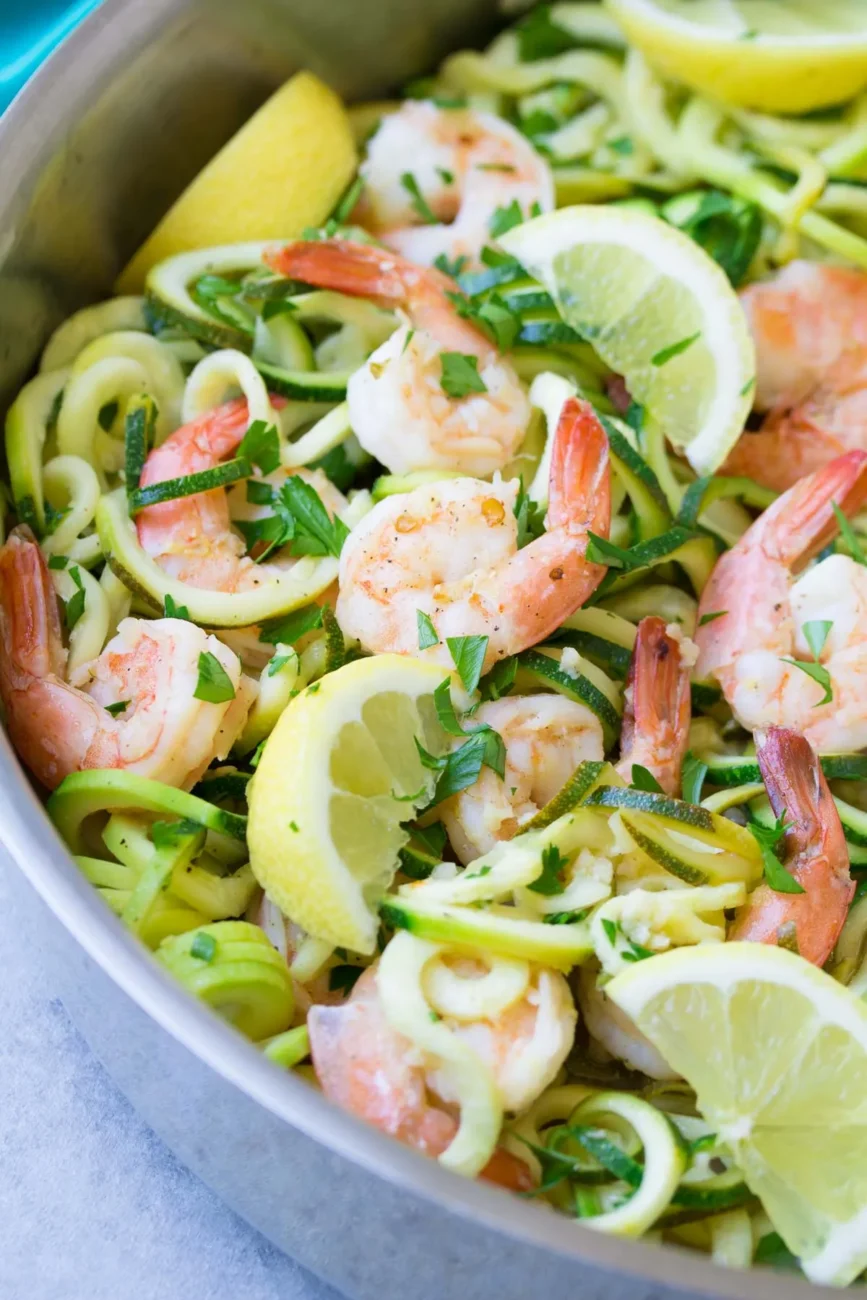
760 611
815 854
191 538
657 708
398 408
546 737
151 667
810 328
368 1068
454 165
451 551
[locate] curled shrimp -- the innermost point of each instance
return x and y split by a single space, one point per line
192 538
464 165
810 328
546 737
613 1029
761 612
370 1069
151 667
451 551
815 854
657 709
398 408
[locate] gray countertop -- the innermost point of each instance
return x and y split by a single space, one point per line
93 1206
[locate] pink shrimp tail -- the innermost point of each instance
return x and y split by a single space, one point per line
579 487
657 712
806 512
367 1068
815 854
789 533
361 270
55 729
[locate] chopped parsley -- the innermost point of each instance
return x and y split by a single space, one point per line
204 947
419 202
769 839
427 633
74 607
460 375
549 882
468 655
214 684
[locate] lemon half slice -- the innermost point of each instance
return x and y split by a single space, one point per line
284 170
339 774
658 311
781 56
776 1051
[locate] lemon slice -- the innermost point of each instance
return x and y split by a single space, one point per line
776 1051
338 775
658 311
284 170
781 56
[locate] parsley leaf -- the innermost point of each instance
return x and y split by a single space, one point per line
468 654
849 536
58 561
427 633
530 516
214 684
549 882
314 532
539 37
419 202
261 446
643 779
505 219
120 707
610 928
819 674
460 375
816 634
674 350
500 680
601 551
171 610
451 268
74 607
692 778
710 617
768 839
492 315
288 630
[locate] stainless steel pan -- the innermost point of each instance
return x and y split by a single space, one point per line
90 154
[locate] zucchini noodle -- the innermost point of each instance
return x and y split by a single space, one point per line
400 983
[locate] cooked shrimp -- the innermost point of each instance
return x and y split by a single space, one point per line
656 705
816 855
614 1031
191 538
451 551
152 667
762 613
810 328
546 737
465 165
398 408
370 1069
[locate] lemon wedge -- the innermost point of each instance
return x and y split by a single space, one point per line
658 311
284 170
780 56
776 1051
339 774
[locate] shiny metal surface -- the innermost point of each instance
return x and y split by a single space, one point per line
90 154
